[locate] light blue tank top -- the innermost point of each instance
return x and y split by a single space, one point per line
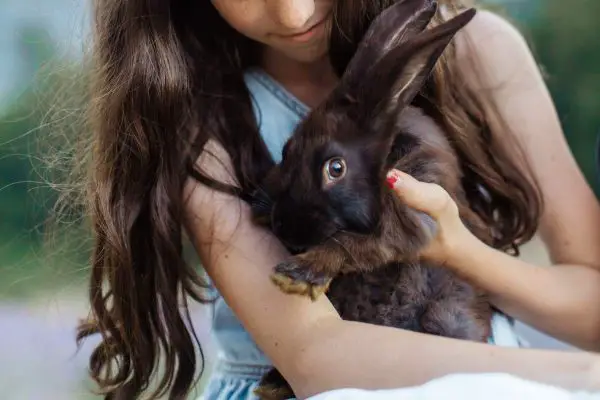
240 362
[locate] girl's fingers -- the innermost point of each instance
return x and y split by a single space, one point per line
427 197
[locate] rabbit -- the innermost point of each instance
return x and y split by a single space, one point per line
350 237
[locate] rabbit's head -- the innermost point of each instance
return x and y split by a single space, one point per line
333 168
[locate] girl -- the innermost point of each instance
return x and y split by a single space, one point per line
192 101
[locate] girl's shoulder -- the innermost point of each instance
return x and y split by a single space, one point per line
492 48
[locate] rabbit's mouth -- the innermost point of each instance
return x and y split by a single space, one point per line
302 246
296 249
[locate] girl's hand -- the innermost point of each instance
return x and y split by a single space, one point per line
451 235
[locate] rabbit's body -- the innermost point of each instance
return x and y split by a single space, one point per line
328 203
377 277
392 288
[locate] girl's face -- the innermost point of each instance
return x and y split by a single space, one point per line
297 28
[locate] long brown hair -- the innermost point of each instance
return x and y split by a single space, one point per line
168 76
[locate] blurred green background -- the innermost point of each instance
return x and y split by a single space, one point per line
42 294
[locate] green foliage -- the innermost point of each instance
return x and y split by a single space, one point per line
36 129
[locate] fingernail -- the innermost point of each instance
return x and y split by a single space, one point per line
391 181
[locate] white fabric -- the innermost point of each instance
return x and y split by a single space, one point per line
504 334
487 386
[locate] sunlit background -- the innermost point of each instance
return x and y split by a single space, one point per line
42 294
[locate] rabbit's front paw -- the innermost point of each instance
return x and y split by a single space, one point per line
293 277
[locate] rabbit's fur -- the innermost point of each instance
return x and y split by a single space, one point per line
328 203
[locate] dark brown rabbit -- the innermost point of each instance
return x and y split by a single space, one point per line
328 203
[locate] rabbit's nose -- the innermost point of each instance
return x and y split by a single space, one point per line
276 226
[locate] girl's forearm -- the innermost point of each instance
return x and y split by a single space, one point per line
349 354
562 301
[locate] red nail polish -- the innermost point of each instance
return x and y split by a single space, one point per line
391 181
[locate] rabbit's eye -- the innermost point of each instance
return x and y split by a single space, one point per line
334 169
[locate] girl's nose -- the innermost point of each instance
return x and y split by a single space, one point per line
293 14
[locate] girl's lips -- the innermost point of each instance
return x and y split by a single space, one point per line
308 34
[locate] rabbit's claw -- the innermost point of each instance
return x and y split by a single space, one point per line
294 278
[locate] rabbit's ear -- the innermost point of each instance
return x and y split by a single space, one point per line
393 26
398 76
